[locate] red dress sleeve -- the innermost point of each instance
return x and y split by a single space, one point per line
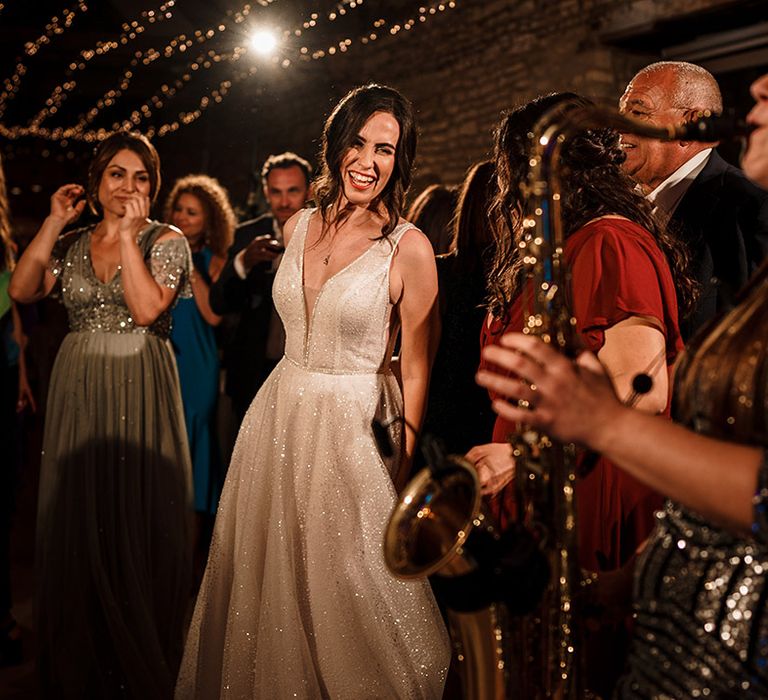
492 330
617 271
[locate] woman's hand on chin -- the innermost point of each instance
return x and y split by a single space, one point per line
135 217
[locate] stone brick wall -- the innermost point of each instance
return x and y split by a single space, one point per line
461 69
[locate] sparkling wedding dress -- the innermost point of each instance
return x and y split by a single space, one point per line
297 601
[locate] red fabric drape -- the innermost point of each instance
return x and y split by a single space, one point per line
618 271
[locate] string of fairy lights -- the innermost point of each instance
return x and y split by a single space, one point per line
56 25
130 30
202 63
283 48
179 43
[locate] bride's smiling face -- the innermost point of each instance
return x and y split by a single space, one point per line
368 164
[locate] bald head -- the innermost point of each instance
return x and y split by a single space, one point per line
693 88
668 92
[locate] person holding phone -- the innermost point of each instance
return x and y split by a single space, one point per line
255 343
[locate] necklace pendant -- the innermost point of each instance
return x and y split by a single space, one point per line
326 259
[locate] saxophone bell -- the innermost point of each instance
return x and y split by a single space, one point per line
439 529
517 601
480 576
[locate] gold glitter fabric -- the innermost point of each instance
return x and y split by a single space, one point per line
115 490
296 601
701 591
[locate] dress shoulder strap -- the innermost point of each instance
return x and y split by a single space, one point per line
69 238
300 231
394 238
75 240
303 224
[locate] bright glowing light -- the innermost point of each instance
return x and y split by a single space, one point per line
263 42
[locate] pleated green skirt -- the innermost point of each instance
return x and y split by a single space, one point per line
113 520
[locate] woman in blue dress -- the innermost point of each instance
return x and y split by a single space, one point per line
199 206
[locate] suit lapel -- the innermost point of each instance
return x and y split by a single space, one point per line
702 198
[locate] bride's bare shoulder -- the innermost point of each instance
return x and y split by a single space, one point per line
290 225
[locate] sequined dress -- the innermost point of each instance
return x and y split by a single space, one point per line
115 488
701 592
296 601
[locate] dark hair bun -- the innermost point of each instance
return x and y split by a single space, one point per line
596 148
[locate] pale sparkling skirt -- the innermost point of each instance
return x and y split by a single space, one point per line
296 600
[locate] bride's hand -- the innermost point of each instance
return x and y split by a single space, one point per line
494 464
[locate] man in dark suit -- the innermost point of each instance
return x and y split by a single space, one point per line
710 204
244 287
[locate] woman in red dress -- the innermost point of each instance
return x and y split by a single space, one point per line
626 275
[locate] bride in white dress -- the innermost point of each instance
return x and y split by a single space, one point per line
296 601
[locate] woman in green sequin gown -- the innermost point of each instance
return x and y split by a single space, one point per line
112 554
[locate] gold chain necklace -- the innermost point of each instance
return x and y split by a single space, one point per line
327 258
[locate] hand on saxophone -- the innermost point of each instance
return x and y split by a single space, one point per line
494 464
571 401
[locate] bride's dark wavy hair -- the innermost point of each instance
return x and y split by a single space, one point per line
595 185
342 128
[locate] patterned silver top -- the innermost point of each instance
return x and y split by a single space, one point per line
96 306
700 590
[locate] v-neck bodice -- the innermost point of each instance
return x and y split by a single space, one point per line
349 329
96 306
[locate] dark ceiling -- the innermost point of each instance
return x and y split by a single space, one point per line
58 67
165 81
105 20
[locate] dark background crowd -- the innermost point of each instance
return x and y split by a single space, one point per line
235 174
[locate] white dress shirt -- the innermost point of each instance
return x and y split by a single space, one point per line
668 194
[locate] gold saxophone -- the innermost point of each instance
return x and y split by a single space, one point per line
513 600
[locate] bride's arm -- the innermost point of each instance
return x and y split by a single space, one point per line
413 286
